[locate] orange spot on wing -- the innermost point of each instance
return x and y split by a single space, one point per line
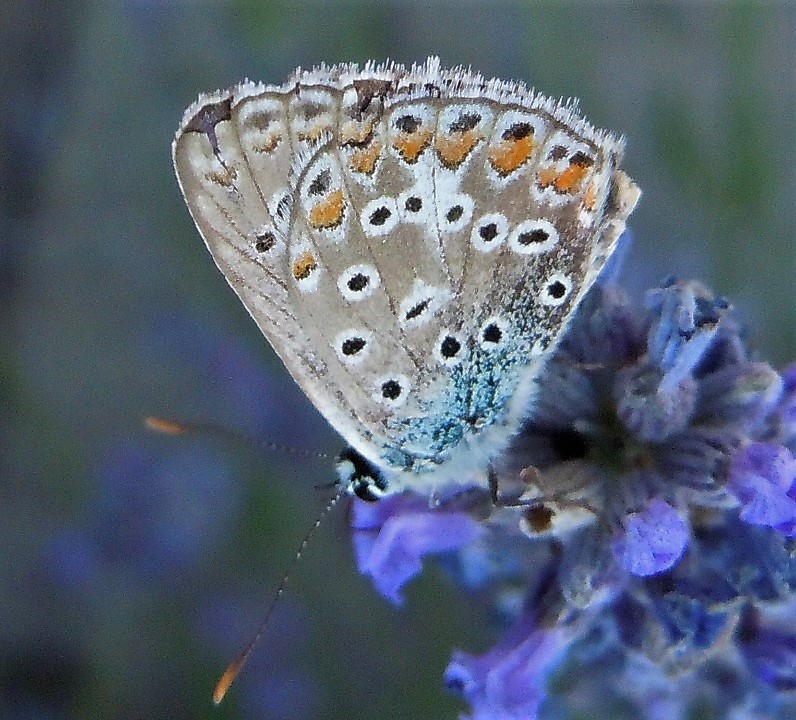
225 177
508 155
304 265
570 179
547 177
410 145
269 144
328 213
314 132
364 160
353 132
567 181
454 149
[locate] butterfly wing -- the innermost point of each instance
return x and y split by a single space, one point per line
410 242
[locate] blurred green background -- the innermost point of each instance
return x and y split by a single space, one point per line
134 565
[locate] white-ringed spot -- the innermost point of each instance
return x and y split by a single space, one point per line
556 290
422 304
533 237
353 345
455 212
379 216
392 390
493 334
358 282
449 348
489 232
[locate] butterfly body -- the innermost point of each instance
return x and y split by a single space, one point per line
412 242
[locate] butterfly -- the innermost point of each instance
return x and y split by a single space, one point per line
413 243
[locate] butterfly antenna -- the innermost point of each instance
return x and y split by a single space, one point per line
177 427
234 668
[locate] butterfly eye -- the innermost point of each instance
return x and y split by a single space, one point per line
360 476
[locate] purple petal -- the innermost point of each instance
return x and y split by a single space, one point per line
652 540
763 478
390 547
508 682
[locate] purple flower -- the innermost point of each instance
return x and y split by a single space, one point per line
653 493
152 514
509 681
763 478
392 536
652 540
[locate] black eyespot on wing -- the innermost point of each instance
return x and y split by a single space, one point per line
353 345
488 232
517 131
492 333
358 282
408 123
417 310
534 236
454 213
581 158
557 152
321 183
391 389
449 347
556 289
465 122
413 204
264 241
380 216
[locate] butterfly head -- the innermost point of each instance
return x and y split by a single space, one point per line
360 477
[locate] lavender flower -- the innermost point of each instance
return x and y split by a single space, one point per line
652 513
509 680
392 536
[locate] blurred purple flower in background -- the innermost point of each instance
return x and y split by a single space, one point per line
655 504
152 514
